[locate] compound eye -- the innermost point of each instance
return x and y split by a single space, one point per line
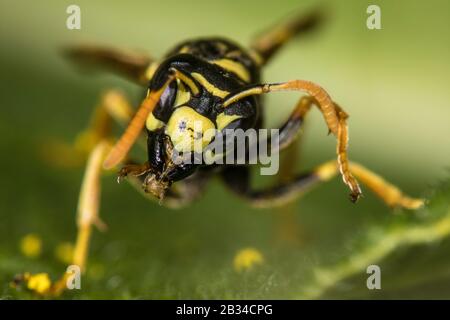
189 130
163 109
168 97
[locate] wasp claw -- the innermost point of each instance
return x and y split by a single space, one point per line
354 196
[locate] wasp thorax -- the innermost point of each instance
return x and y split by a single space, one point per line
189 131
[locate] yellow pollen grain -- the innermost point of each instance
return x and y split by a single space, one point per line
39 283
246 259
31 246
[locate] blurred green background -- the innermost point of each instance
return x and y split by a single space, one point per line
393 82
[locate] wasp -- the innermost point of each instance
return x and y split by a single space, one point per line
217 83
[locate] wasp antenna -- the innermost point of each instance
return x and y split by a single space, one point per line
186 80
126 141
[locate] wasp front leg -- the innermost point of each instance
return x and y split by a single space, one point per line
334 117
113 107
89 203
238 178
94 143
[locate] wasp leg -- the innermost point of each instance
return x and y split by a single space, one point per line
287 191
268 43
238 180
291 129
124 63
97 139
112 105
180 195
87 216
88 203
334 116
134 170
94 143
288 231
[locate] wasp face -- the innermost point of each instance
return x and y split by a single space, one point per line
187 117
175 131
171 148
